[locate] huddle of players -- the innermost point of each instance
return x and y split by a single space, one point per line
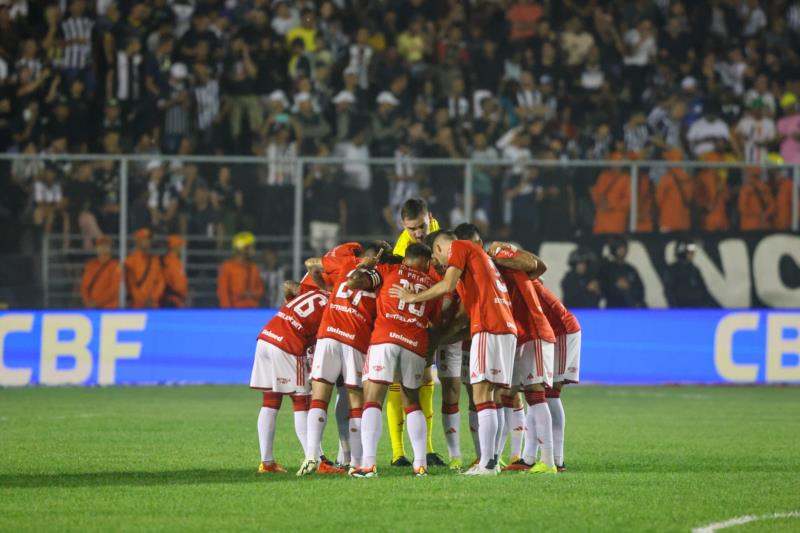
370 319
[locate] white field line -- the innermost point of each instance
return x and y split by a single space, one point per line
655 394
740 520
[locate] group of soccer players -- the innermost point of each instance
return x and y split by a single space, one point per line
368 320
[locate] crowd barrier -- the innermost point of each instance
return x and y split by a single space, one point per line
212 346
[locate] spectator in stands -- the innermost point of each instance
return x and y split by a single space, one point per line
162 198
619 280
273 275
675 196
684 285
239 283
144 277
175 103
325 203
712 196
101 277
756 203
580 285
755 132
709 133
611 195
202 219
83 197
789 129
227 200
357 181
49 204
313 127
176 290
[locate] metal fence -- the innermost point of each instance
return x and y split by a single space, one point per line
462 182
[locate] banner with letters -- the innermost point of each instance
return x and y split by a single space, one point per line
214 346
741 271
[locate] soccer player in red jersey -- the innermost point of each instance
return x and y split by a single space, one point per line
567 362
281 367
342 341
397 352
486 299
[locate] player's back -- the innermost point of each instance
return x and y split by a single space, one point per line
484 295
332 263
294 327
350 313
526 307
560 318
401 323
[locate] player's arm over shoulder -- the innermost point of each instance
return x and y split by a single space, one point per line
510 256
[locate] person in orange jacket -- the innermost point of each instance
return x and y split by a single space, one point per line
644 198
756 203
239 283
712 196
675 196
143 275
611 195
782 187
177 286
101 277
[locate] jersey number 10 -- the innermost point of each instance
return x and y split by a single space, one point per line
417 309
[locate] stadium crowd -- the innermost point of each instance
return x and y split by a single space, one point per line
508 80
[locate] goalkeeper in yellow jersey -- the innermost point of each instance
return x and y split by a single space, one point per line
418 223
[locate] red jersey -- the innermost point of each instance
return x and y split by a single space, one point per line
345 250
294 328
350 313
560 318
485 295
400 323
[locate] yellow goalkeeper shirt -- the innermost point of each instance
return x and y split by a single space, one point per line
405 239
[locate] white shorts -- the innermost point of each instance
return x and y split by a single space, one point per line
278 371
567 364
333 358
534 363
448 360
390 363
491 358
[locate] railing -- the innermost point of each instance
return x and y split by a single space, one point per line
59 287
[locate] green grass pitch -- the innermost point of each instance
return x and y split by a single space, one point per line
181 458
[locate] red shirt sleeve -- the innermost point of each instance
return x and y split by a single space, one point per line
336 266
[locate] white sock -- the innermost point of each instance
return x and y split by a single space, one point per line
343 425
301 429
502 433
516 421
559 423
487 431
418 433
266 432
531 449
317 417
473 431
451 423
355 442
544 431
371 426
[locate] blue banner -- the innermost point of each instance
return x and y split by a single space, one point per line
213 346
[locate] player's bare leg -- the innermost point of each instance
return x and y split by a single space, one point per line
542 435
483 393
371 425
451 419
355 398
267 416
553 397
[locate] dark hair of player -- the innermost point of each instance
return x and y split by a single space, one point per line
412 208
375 247
466 231
391 259
431 238
418 250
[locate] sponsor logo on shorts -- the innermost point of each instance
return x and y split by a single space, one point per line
282 381
271 335
377 368
403 338
337 331
494 371
474 375
572 369
530 376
